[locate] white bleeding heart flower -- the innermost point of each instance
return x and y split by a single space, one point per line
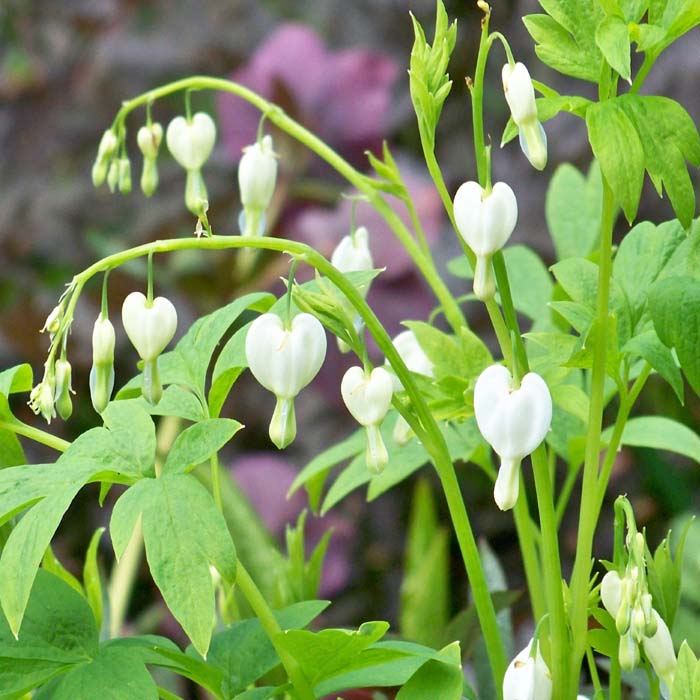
352 254
257 175
485 220
611 592
413 355
150 326
660 652
514 421
284 360
149 138
191 142
527 677
520 95
368 398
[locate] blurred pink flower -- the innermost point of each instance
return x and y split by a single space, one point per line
342 96
265 479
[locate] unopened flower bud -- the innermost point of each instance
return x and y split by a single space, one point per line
527 677
149 138
651 618
485 220
149 176
106 150
113 175
611 592
64 404
257 175
629 652
41 398
53 321
196 196
623 619
513 421
284 360
102 372
520 95
353 254
368 398
660 652
638 623
124 175
191 142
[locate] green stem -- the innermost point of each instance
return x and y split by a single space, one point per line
434 441
615 679
551 572
524 528
587 519
565 493
647 64
122 580
269 623
363 183
36 434
623 413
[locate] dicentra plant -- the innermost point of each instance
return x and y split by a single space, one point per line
598 329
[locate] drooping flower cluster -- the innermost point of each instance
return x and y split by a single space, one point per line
513 420
626 597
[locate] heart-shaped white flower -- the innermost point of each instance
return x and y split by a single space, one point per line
513 421
285 360
485 220
150 327
352 254
367 397
527 677
149 138
191 142
413 355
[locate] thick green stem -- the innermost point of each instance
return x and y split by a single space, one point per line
587 516
262 610
528 549
559 646
36 434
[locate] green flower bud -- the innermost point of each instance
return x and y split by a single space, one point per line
102 372
53 320
149 138
149 176
41 398
196 197
64 404
113 175
628 653
124 175
107 148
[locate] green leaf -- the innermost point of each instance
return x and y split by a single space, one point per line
185 535
571 399
668 137
91 577
11 452
114 674
325 654
179 402
198 443
648 346
573 209
561 49
531 284
613 39
659 433
674 304
28 541
16 379
244 653
425 588
133 434
642 255
617 146
683 678
435 679
229 366
442 349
